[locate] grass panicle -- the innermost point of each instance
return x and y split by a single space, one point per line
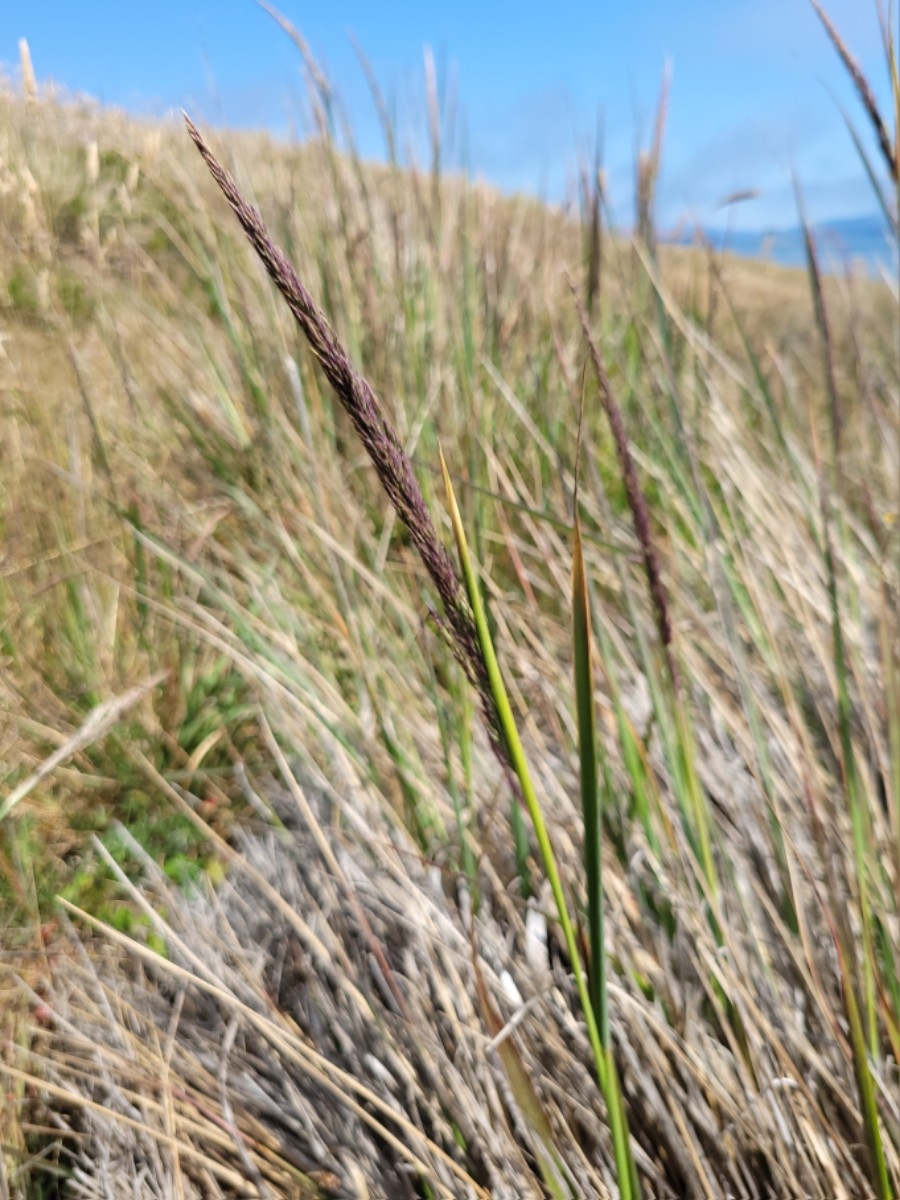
886 143
637 504
374 429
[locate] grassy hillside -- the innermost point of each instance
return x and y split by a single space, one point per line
306 943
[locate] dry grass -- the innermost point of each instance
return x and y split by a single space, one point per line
296 912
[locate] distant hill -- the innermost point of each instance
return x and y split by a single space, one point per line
857 238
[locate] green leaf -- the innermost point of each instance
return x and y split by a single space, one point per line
590 792
629 1187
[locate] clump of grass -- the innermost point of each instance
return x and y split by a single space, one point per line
470 637
361 995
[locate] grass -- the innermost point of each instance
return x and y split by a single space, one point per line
355 883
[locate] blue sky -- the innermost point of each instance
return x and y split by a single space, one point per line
755 84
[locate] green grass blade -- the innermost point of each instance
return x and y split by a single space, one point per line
590 792
629 1187
865 1084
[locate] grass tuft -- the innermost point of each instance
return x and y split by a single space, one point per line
266 926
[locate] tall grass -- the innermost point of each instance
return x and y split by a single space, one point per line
308 945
